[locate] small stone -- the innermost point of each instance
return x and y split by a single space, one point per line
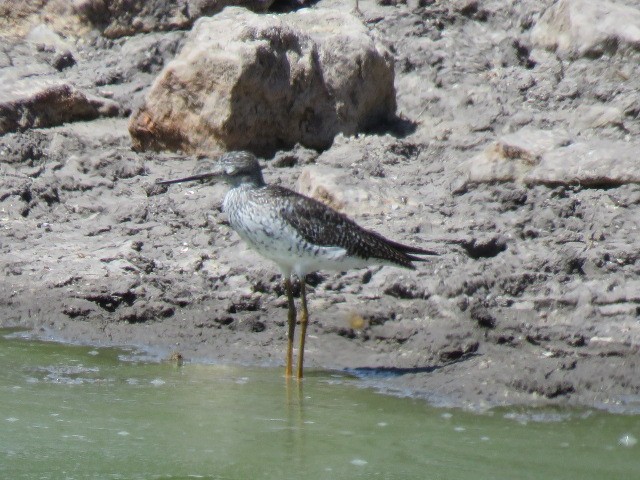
513 155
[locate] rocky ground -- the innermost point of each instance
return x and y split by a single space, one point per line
514 153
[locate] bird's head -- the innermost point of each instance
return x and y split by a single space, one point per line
236 168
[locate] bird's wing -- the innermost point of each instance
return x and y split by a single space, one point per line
323 226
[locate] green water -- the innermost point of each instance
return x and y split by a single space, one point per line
71 412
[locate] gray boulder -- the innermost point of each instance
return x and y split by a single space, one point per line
550 157
596 163
576 28
45 102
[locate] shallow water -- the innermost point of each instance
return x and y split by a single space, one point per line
69 412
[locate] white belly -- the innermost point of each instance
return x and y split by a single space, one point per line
273 238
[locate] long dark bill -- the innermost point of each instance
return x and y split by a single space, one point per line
200 176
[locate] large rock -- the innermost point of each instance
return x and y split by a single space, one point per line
263 82
118 18
45 102
575 28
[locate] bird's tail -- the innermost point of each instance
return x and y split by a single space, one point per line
411 254
411 251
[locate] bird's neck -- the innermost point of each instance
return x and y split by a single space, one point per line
246 187
237 196
248 181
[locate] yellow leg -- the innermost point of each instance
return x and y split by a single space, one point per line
291 318
304 320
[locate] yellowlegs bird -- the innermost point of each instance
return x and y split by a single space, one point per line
298 233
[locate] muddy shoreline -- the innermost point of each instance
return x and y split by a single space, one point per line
534 299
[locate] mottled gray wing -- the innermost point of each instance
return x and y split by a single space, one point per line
321 225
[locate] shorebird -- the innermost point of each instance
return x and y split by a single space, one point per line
298 233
